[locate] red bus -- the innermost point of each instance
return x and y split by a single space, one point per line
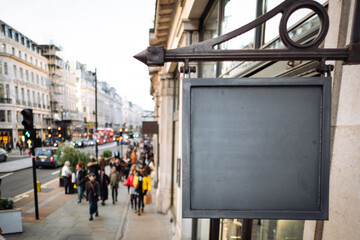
104 135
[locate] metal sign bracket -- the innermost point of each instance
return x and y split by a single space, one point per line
205 51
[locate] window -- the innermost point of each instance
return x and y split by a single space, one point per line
37 79
27 75
25 57
47 101
17 95
21 73
2 115
23 96
3 48
15 71
5 68
41 65
7 91
32 77
2 93
43 100
9 117
33 96
39 100
31 60
36 62
42 81
13 51
210 29
28 98
20 55
0 67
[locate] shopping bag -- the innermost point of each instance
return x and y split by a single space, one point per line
147 199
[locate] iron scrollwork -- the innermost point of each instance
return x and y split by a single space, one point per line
205 51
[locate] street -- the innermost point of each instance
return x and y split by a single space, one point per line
15 183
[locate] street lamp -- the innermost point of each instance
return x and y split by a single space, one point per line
96 119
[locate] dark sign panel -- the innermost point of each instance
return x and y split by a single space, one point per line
150 127
256 148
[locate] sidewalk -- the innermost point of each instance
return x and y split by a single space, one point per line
61 218
150 225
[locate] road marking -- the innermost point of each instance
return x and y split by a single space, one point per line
26 194
6 175
31 210
56 172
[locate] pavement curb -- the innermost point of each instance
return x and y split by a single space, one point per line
120 232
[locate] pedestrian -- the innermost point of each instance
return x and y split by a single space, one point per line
66 173
130 183
102 162
112 162
118 166
24 147
133 156
20 147
93 195
80 181
93 167
142 187
114 183
104 182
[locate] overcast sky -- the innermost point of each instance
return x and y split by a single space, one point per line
104 34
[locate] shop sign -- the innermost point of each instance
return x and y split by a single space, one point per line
256 148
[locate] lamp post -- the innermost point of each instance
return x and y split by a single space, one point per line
96 114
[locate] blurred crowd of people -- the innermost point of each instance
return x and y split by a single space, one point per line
132 170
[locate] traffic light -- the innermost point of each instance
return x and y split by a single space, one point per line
49 131
28 119
29 137
121 131
59 132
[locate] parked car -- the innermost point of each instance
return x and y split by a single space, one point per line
3 155
46 157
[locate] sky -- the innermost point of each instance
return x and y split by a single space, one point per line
103 34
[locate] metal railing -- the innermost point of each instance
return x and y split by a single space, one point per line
5 100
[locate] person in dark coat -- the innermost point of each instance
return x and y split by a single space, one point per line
104 181
93 195
93 167
80 181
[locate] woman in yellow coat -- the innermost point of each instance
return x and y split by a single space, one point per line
142 186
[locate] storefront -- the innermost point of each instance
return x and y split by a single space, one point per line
6 138
197 21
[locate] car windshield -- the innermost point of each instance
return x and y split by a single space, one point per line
43 151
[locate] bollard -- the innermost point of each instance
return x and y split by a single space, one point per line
38 186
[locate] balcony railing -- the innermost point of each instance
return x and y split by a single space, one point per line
5 100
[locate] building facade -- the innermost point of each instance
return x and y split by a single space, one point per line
23 84
182 23
61 94
109 102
